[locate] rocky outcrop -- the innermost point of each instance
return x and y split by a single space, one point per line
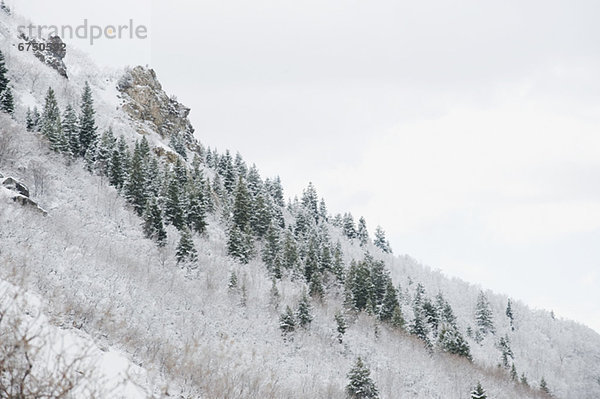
51 53
151 108
13 190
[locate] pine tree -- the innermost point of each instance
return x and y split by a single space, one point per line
87 125
260 219
341 325
509 314
348 226
513 373
310 201
233 281
104 151
316 286
153 223
196 214
51 126
71 130
397 318
390 302
135 186
361 386
505 350
338 263
239 244
287 323
242 206
290 252
272 247
544 386
362 234
524 380
177 142
484 316
478 392
186 252
29 120
174 210
36 119
116 172
4 81
7 101
381 242
303 314
451 340
311 262
323 210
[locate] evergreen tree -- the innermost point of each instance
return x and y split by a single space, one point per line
505 350
153 223
544 386
174 209
484 316
323 210
290 252
316 286
390 302
196 214
36 119
7 101
361 386
87 122
186 252
272 247
341 325
177 143
260 219
29 120
51 126
362 234
303 314
71 130
311 262
338 262
104 151
397 318
513 373
524 380
348 226
135 186
116 173
4 81
310 201
451 340
509 314
233 281
287 323
239 244
478 392
359 286
242 206
381 242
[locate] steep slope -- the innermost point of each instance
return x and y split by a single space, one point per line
196 337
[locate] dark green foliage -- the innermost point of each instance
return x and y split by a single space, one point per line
71 130
311 262
310 201
362 234
316 286
177 142
544 386
51 125
338 263
287 323
7 101
341 325
233 281
390 303
3 74
303 314
431 315
397 318
451 340
513 373
174 207
29 120
186 252
240 245
348 226
359 286
524 380
290 252
260 218
505 350
104 151
484 316
242 206
87 121
509 314
272 250
135 186
379 279
478 392
381 242
196 215
153 223
361 386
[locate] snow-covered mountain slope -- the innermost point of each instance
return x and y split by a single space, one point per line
187 332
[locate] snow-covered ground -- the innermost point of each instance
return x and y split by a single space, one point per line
103 287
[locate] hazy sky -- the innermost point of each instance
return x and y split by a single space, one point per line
469 130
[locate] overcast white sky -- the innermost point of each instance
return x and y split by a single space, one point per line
468 130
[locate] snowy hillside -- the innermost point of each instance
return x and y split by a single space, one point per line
112 273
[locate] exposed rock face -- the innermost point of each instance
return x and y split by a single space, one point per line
53 53
151 108
12 189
